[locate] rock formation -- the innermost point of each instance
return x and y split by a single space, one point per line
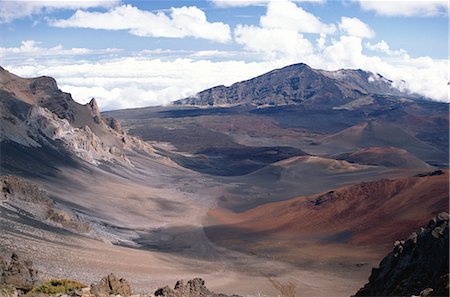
35 113
193 288
95 111
18 273
111 285
418 266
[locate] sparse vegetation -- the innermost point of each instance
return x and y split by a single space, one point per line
57 286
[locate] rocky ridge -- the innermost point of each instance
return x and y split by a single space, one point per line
297 84
417 266
36 113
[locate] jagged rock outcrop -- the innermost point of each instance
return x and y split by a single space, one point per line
418 266
111 285
82 142
18 273
95 111
193 288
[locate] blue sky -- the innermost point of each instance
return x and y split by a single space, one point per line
140 53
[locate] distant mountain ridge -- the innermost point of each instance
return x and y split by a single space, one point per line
297 84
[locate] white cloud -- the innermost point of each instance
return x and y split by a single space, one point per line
406 7
383 47
283 43
16 9
287 15
138 82
244 3
355 27
279 35
182 22
31 49
321 40
422 75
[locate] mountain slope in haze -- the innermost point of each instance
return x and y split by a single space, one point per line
297 84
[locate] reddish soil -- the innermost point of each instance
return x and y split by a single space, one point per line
367 214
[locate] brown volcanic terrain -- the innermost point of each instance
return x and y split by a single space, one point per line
368 214
346 147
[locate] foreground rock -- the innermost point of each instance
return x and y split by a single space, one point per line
111 285
418 266
18 273
19 276
193 288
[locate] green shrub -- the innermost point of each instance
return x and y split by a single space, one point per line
57 286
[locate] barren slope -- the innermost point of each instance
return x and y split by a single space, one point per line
368 214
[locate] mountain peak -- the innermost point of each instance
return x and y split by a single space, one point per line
297 84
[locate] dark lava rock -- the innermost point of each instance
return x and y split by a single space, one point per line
18 273
193 288
111 285
417 266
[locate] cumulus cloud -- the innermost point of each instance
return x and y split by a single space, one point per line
355 27
182 22
283 43
280 33
422 8
287 15
11 9
383 47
